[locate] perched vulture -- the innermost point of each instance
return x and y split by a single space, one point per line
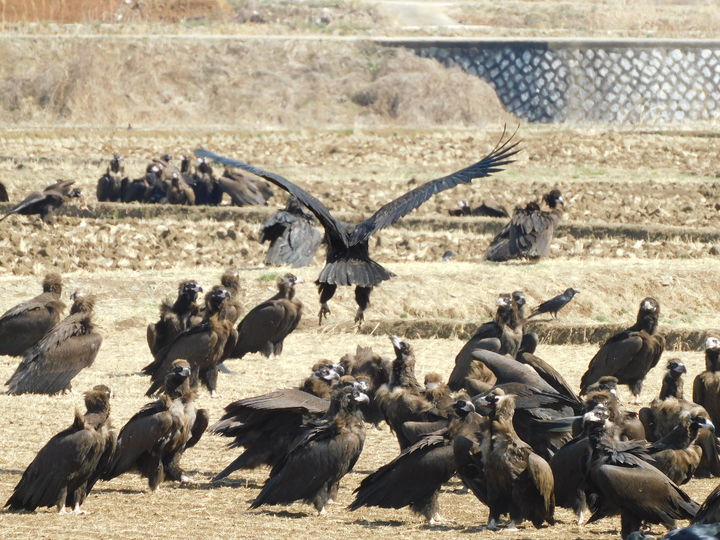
266 326
555 304
530 231
293 239
175 317
629 355
706 386
45 202
60 475
22 326
109 186
204 346
153 441
3 193
320 456
348 259
67 349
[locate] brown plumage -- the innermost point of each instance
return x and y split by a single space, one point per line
24 325
322 454
676 454
626 423
153 441
401 399
45 202
204 346
629 355
175 317
60 473
244 190
672 385
324 376
501 335
706 386
179 192
710 510
266 326
3 193
233 306
109 186
519 482
71 346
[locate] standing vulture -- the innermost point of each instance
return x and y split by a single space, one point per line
153 441
706 386
266 326
629 355
61 472
348 259
175 317
530 231
109 186
45 202
321 455
68 348
24 325
293 239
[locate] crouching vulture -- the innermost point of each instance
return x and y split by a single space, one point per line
629 355
67 349
321 455
530 231
24 325
266 326
45 202
61 473
154 440
348 259
293 239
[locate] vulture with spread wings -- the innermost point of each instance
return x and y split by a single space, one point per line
45 202
348 259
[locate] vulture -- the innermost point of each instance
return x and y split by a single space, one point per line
233 306
22 326
672 384
60 475
266 326
710 510
706 386
626 423
629 355
204 346
179 192
502 335
320 456
293 239
45 202
348 259
322 380
402 399
109 186
69 347
676 454
153 441
175 317
3 193
623 482
486 209
530 231
206 187
555 304
518 481
244 190
414 478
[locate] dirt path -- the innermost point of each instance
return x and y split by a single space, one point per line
417 14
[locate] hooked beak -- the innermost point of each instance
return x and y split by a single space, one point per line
647 305
362 398
680 368
396 341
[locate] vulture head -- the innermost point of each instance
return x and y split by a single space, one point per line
190 289
519 298
82 302
98 399
327 374
402 349
712 343
648 314
676 368
553 198
230 279
52 283
596 419
104 389
215 298
184 164
179 373
700 422
203 166
463 407
432 381
167 158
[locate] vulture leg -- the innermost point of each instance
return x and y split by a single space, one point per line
327 291
210 377
362 298
636 388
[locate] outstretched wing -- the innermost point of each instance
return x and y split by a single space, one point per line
331 225
394 210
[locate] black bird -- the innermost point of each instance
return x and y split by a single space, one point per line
3 193
529 232
109 186
175 317
629 355
555 304
46 201
348 259
293 239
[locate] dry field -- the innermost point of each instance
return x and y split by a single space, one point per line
641 219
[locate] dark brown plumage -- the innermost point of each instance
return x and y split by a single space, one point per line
672 385
109 186
266 326
348 259
175 317
502 335
178 192
23 325
321 455
45 202
244 190
153 441
710 510
233 306
204 346
488 208
60 473
676 454
706 386
629 355
71 346
530 231
3 193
